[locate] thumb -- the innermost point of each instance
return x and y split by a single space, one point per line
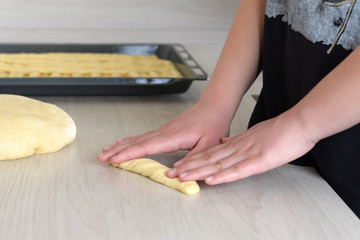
202 145
225 139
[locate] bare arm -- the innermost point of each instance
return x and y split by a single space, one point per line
237 68
239 62
334 104
331 107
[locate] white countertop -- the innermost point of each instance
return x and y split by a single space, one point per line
70 195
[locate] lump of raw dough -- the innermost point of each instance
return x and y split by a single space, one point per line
157 172
28 126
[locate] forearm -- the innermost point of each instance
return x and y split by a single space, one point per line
238 64
334 104
204 124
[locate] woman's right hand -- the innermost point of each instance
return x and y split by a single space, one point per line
202 126
196 129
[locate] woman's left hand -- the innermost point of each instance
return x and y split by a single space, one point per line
265 146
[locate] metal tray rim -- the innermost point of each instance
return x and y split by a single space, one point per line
7 85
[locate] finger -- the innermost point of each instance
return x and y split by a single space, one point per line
203 147
207 157
120 145
211 159
105 149
122 149
151 146
208 170
237 171
225 139
137 138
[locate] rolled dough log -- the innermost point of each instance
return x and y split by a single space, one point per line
29 126
157 172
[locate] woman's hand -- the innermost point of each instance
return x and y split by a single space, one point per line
196 130
265 146
203 125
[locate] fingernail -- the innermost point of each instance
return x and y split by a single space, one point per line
172 172
178 163
209 179
106 149
184 174
101 157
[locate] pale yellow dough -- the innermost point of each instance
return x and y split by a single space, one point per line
29 126
157 172
84 65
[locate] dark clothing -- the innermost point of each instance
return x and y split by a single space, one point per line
293 63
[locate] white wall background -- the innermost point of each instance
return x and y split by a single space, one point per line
117 14
192 19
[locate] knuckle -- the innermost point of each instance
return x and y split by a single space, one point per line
136 146
183 167
137 143
141 144
127 139
237 171
218 165
206 156
131 141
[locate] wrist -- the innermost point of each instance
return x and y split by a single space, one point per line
299 122
219 103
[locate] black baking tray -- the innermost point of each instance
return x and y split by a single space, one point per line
176 53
